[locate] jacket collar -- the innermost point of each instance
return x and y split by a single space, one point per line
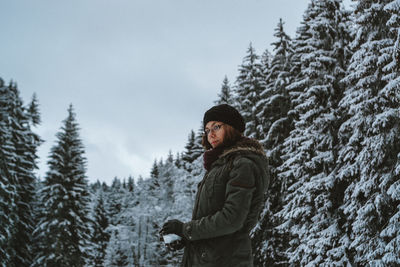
245 145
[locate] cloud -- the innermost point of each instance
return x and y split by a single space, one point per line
112 153
140 74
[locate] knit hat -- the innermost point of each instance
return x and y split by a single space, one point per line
226 114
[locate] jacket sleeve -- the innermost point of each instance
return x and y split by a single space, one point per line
231 217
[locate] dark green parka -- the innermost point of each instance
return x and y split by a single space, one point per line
228 202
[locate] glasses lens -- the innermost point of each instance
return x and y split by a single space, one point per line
215 128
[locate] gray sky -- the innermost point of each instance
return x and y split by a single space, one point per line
140 74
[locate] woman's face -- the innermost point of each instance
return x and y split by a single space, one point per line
215 133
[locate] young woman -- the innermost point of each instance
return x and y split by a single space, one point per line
229 198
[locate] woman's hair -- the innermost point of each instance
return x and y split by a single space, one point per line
231 137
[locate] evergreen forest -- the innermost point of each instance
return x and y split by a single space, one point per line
325 104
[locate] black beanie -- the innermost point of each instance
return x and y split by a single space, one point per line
226 114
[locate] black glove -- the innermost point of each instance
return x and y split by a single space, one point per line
176 245
172 227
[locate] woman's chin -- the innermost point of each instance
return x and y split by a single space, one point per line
214 145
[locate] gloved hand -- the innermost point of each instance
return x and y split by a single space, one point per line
176 245
172 227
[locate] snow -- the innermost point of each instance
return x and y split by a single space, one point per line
171 238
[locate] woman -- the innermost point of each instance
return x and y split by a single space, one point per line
229 198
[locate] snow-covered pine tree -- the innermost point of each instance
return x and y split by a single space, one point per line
95 186
265 61
25 143
38 210
178 162
198 149
33 111
124 184
154 170
132 217
311 148
154 185
370 138
117 253
8 180
184 189
167 180
123 243
274 102
225 96
391 232
274 105
63 230
192 151
114 201
131 184
170 157
105 187
248 87
19 145
168 176
100 236
266 253
300 49
147 216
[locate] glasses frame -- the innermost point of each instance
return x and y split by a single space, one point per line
214 129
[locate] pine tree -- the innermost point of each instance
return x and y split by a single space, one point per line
63 231
8 179
26 143
249 85
124 186
370 139
391 232
265 61
38 210
95 186
170 158
100 237
105 187
311 149
154 181
19 145
198 149
117 254
114 203
131 184
192 151
178 160
33 111
274 105
225 96
154 170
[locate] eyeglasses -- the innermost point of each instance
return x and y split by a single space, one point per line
214 129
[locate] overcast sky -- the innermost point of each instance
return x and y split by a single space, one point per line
140 74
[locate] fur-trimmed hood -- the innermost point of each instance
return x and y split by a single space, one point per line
245 145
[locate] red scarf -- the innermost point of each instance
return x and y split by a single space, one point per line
210 156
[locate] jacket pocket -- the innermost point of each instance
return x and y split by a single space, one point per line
217 250
216 194
208 252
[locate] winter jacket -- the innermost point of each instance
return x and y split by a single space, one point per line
228 202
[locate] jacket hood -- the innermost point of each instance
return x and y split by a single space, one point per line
245 145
